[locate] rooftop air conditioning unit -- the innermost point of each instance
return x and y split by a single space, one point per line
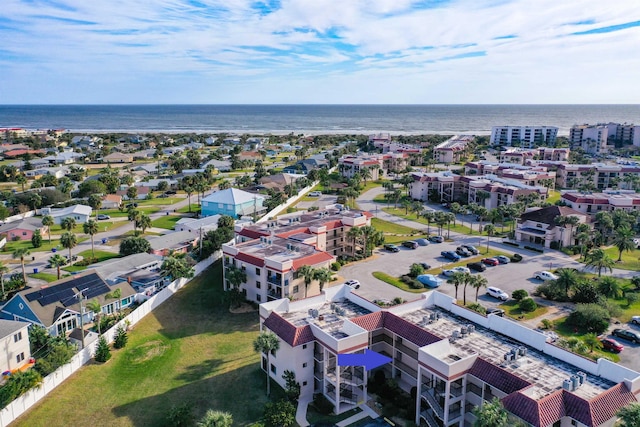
582 376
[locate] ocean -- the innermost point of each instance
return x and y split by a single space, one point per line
309 119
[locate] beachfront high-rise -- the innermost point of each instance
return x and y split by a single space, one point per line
525 136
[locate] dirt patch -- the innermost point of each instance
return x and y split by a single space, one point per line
147 351
244 308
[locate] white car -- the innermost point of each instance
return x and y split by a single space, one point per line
315 194
497 293
454 270
355 284
635 320
503 259
545 275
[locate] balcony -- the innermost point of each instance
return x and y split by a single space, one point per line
318 355
428 418
274 280
406 369
434 404
406 350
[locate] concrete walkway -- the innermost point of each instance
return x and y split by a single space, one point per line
366 412
301 411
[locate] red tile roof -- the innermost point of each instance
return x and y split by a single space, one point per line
497 377
314 259
371 321
287 332
606 405
250 259
252 234
397 325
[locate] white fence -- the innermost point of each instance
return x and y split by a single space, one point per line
275 211
50 382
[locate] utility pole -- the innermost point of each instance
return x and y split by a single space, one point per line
81 297
200 242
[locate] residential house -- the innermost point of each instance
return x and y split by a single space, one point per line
58 172
118 158
198 226
64 158
152 184
143 192
250 155
538 226
219 165
232 202
85 141
278 181
177 242
56 306
14 339
80 213
143 154
307 165
211 140
111 201
449 359
35 163
22 229
168 151
141 271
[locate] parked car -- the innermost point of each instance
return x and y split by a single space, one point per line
497 293
422 242
430 280
503 259
611 345
355 284
462 251
410 244
497 311
315 194
477 266
391 248
490 261
545 275
635 320
170 192
425 266
450 255
454 270
103 216
471 249
627 335
436 239
131 205
162 196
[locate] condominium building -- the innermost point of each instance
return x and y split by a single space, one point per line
489 191
607 201
535 176
525 136
538 226
597 175
350 166
449 358
453 149
523 156
592 137
271 252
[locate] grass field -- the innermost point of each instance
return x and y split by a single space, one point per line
46 276
159 201
167 222
512 310
115 213
79 228
194 208
190 350
10 247
630 260
433 228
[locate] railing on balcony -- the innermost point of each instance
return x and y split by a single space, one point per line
406 350
428 418
406 369
454 412
434 404
275 280
456 390
475 389
318 355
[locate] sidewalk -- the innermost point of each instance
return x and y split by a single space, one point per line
301 411
366 412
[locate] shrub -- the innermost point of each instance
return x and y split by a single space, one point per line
121 338
519 294
632 298
322 404
551 291
516 258
511 244
531 248
279 414
585 293
103 352
528 305
335 266
477 308
18 384
398 300
592 317
546 324
413 284
36 239
180 416
415 270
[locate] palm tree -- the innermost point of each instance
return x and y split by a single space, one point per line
456 280
69 241
599 260
134 216
21 180
189 190
235 276
91 228
307 272
429 216
489 229
354 234
68 223
215 419
47 221
323 276
449 217
267 343
567 279
20 254
623 240
3 270
95 306
144 222
591 340
478 282
57 261
610 287
467 278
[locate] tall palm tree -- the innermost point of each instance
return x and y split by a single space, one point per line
134 216
266 343
144 222
68 223
57 261
91 228
592 341
467 278
599 260
490 229
69 241
456 280
21 254
449 217
623 240
354 234
323 276
478 282
47 221
429 216
95 306
307 273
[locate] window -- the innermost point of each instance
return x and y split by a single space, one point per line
244 267
295 289
304 346
258 284
20 357
273 368
304 383
17 337
257 271
304 365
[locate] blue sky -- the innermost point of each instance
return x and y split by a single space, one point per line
319 51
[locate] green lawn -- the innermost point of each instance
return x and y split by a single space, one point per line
100 255
394 281
194 208
390 227
630 260
512 310
116 213
159 201
554 196
10 247
166 222
433 228
46 276
79 228
190 350
562 328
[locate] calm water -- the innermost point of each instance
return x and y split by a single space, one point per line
282 119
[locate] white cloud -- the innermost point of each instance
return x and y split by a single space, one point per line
331 48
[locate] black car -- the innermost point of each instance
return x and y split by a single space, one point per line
462 251
471 249
425 266
627 335
131 205
476 266
391 248
170 193
410 244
